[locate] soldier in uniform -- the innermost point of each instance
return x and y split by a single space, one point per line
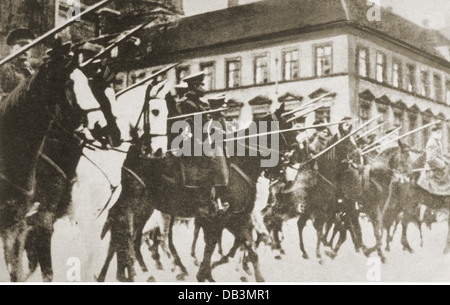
203 171
18 69
436 179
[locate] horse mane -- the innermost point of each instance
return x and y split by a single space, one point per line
18 96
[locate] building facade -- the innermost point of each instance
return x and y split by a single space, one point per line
295 50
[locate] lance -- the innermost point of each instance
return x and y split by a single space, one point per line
287 130
145 80
381 139
183 116
344 138
304 112
54 31
401 137
372 130
125 35
308 104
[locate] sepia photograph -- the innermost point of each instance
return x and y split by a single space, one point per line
227 141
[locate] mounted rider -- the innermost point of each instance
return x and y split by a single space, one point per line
204 171
19 69
435 179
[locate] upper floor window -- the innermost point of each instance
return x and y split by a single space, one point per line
209 69
397 74
290 65
447 85
437 81
424 83
381 67
410 78
261 69
182 72
363 62
323 60
233 70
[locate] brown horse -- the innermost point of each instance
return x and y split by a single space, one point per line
44 102
56 174
414 196
155 183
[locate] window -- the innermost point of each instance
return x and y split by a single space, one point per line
324 60
363 62
233 73
323 114
410 78
412 126
437 82
397 74
426 133
424 83
160 77
182 72
290 65
381 67
261 69
398 118
447 85
209 70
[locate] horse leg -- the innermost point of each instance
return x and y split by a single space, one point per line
153 247
447 246
139 223
377 228
301 223
109 257
194 242
405 243
174 252
211 232
320 238
232 253
14 248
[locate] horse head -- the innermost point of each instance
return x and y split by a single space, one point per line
154 142
76 95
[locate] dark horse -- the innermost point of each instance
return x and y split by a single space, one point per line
155 183
413 195
42 103
56 174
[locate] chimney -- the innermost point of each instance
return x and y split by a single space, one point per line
426 23
232 3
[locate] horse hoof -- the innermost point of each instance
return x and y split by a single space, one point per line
181 276
159 266
446 250
305 256
321 262
331 254
151 279
388 249
244 279
408 249
196 263
383 260
278 257
282 252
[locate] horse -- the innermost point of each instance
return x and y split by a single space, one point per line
45 101
154 183
414 196
56 170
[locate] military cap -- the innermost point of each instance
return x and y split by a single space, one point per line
20 34
319 122
217 101
195 79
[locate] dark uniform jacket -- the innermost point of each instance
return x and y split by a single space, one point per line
204 170
12 74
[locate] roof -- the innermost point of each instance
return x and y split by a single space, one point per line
259 20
